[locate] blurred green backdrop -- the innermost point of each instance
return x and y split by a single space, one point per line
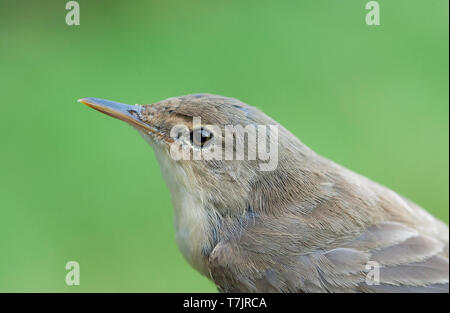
78 185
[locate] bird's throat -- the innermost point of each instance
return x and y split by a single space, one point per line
191 220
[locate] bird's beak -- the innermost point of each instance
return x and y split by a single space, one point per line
125 112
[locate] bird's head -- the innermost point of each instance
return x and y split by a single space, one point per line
207 144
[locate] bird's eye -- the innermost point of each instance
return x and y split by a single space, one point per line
200 136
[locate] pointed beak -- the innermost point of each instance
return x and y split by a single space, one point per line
125 112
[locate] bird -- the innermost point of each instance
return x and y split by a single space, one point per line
306 225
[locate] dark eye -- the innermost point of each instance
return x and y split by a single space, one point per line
200 136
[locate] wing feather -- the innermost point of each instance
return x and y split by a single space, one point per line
408 262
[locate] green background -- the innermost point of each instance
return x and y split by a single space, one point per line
78 185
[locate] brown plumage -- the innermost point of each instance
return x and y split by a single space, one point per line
309 225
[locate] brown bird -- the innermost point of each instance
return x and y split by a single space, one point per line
301 224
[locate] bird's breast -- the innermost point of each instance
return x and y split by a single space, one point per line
192 225
191 229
